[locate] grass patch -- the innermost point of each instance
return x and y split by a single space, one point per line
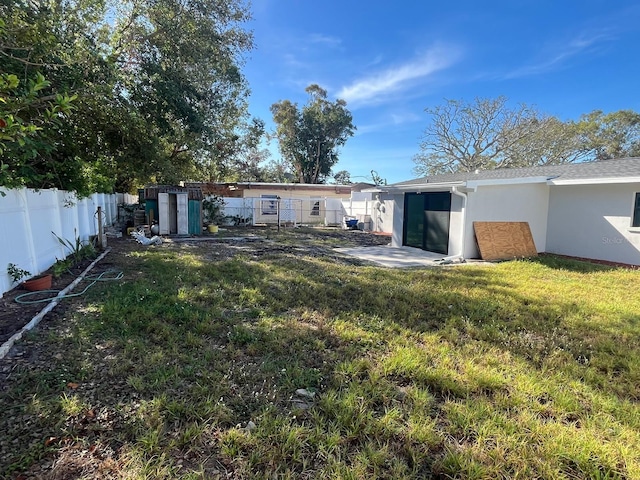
189 369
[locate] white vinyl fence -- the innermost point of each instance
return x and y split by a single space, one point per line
29 219
371 213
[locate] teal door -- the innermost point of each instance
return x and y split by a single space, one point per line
195 217
426 221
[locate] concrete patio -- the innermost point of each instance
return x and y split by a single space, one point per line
396 257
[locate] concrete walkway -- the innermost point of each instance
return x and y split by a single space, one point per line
395 257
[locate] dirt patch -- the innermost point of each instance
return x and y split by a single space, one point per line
256 244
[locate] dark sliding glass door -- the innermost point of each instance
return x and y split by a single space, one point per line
426 221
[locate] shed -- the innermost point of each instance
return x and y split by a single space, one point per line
177 210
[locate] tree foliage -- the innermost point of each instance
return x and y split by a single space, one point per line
309 138
487 134
611 135
158 86
343 177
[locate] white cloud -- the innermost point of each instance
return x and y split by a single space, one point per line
392 120
560 55
394 79
325 40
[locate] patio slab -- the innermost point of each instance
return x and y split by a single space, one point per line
396 257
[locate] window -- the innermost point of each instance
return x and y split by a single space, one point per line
315 208
636 212
269 204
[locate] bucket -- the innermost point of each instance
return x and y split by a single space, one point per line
213 228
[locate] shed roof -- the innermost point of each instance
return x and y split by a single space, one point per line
574 172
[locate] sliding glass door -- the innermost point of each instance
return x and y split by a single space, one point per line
426 221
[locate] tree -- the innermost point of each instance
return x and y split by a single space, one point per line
611 135
343 177
158 89
179 72
488 134
377 179
246 159
550 142
309 138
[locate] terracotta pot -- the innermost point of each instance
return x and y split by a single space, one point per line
39 282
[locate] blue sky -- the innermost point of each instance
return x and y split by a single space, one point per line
390 62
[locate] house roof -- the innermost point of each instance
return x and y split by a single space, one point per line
586 172
227 188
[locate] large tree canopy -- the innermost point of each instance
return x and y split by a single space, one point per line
487 134
309 138
160 95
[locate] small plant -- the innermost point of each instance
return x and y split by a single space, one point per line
79 250
16 273
212 208
61 266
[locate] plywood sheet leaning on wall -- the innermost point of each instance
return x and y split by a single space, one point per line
504 240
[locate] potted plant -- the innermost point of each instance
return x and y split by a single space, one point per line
212 208
39 282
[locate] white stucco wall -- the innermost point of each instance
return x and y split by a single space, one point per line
455 225
527 202
593 221
398 219
382 213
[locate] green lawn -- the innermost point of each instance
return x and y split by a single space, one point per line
525 369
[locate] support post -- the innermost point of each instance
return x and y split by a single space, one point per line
101 243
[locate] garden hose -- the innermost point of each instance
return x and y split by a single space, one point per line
94 279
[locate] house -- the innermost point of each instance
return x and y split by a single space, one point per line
299 203
589 210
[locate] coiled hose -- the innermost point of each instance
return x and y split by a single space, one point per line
102 277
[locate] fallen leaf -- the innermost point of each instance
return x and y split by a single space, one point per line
73 385
50 440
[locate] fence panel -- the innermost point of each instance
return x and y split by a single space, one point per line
373 214
44 218
16 245
29 217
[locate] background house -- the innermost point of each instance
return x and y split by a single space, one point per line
298 203
589 210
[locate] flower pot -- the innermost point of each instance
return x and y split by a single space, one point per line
39 282
213 228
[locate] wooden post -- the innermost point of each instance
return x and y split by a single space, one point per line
100 230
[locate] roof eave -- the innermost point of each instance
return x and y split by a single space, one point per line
593 181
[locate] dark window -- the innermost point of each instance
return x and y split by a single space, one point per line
315 207
636 212
269 204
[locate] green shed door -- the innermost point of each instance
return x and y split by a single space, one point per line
426 221
195 217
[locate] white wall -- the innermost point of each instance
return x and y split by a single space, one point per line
594 221
382 213
508 203
455 225
334 211
376 212
398 220
29 217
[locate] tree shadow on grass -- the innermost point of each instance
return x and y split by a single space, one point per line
170 369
